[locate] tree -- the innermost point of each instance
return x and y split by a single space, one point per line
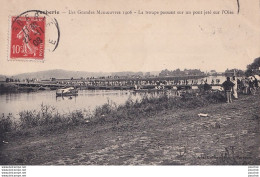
237 72
253 68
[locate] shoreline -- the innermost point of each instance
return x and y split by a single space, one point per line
161 137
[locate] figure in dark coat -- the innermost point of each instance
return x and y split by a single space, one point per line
228 85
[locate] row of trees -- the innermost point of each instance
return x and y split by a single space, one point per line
252 69
179 72
238 72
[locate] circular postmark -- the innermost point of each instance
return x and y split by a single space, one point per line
32 33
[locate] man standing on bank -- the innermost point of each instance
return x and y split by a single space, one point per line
234 80
228 85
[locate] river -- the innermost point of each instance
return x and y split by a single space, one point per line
87 100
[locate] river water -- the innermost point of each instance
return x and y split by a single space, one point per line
87 100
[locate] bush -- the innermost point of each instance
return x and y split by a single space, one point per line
6 125
215 97
49 116
76 118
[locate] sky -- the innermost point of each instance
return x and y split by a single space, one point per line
113 43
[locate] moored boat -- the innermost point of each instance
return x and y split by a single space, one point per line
70 91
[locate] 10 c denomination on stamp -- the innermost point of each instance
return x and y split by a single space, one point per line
27 38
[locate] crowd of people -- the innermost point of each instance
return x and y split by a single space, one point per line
245 85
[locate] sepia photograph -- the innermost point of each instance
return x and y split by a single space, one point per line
129 83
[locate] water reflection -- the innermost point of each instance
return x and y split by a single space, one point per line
86 100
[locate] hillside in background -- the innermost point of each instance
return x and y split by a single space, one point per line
59 73
62 74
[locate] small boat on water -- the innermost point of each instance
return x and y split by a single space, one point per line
70 91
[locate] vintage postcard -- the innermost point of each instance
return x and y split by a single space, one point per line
118 82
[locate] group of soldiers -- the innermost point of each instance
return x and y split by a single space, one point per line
156 82
245 85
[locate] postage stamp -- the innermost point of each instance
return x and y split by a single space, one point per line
31 34
27 38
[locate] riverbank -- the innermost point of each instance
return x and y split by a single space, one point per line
8 88
154 132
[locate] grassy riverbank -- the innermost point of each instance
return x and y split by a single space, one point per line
163 131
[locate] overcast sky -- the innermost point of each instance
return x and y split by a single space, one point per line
111 43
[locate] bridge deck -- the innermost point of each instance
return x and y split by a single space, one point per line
104 87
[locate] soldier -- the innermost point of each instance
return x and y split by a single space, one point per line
228 87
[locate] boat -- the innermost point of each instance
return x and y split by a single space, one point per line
69 91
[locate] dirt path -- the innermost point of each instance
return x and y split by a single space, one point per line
230 135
